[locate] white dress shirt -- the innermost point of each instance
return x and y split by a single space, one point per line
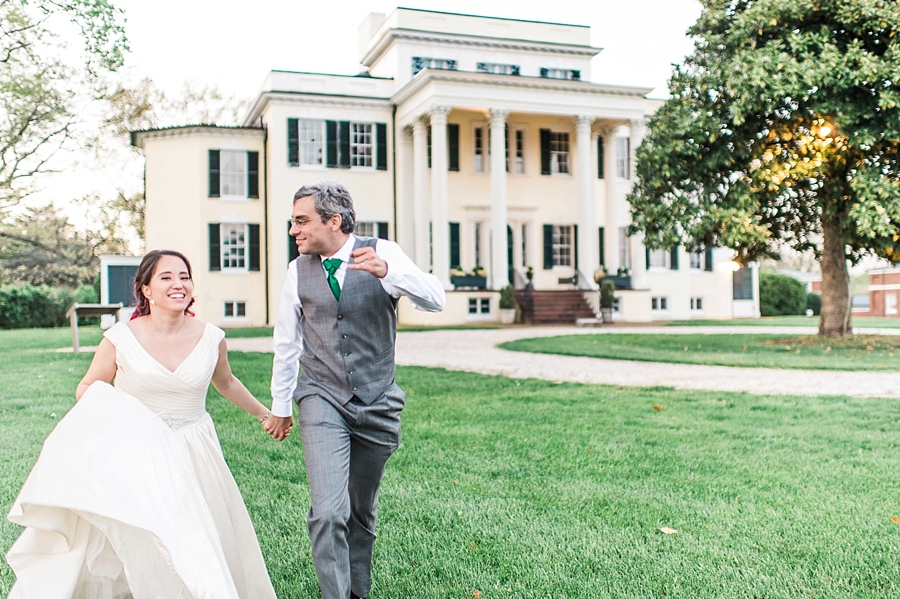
424 291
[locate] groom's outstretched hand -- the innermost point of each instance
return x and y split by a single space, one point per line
278 427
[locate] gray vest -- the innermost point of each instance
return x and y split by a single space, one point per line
348 345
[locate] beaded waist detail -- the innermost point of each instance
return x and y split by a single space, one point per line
176 423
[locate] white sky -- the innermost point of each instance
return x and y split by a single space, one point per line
235 44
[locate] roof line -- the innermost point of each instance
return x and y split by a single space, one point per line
461 14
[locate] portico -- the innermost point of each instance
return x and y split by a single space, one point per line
506 184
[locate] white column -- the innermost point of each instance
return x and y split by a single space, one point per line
587 237
420 185
638 253
406 225
440 222
499 265
611 228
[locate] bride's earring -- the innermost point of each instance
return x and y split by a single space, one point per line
152 303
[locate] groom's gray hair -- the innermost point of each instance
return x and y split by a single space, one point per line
330 198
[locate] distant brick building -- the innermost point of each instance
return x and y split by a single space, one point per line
884 289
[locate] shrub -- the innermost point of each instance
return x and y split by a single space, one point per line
28 306
507 298
607 294
781 295
814 303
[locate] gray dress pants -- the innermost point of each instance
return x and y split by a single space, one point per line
346 449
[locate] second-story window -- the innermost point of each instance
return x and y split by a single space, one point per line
623 157
361 146
497 68
519 157
480 149
233 174
559 152
424 62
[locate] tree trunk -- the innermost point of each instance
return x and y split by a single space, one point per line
834 320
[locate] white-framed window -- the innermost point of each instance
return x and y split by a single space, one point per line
659 303
624 249
497 68
234 309
424 62
697 259
518 151
890 303
311 134
623 157
233 173
480 137
366 229
559 152
362 145
233 240
696 304
562 245
617 305
659 258
570 74
480 306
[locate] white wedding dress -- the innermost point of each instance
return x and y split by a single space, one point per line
131 496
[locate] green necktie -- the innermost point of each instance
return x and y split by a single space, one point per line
331 265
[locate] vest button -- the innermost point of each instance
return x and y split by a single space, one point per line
344 336
340 317
347 353
354 389
350 372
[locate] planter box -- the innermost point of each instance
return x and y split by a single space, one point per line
471 282
620 281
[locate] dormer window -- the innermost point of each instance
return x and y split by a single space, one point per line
497 68
569 74
422 62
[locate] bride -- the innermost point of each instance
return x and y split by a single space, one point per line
131 496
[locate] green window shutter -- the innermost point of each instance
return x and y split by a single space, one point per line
331 144
506 144
381 157
292 245
344 144
600 157
254 246
453 142
383 230
575 245
428 143
214 173
454 245
545 151
253 175
673 258
602 254
548 247
215 247
647 255
293 139
708 262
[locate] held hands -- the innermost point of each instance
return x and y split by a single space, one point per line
366 259
278 427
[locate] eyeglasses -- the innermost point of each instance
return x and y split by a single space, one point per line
299 222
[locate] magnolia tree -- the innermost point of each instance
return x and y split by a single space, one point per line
782 130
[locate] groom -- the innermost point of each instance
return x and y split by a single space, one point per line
338 320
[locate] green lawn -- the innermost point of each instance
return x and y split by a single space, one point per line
532 489
861 352
788 321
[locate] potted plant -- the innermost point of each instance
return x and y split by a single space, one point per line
507 305
607 299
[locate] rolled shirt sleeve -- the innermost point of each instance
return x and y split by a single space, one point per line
288 347
423 289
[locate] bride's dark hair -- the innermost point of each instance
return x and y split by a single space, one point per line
145 273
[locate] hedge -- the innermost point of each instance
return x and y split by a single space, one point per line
27 306
781 295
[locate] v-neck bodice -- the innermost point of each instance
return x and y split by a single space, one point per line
176 396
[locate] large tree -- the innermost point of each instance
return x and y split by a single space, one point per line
782 130
45 84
